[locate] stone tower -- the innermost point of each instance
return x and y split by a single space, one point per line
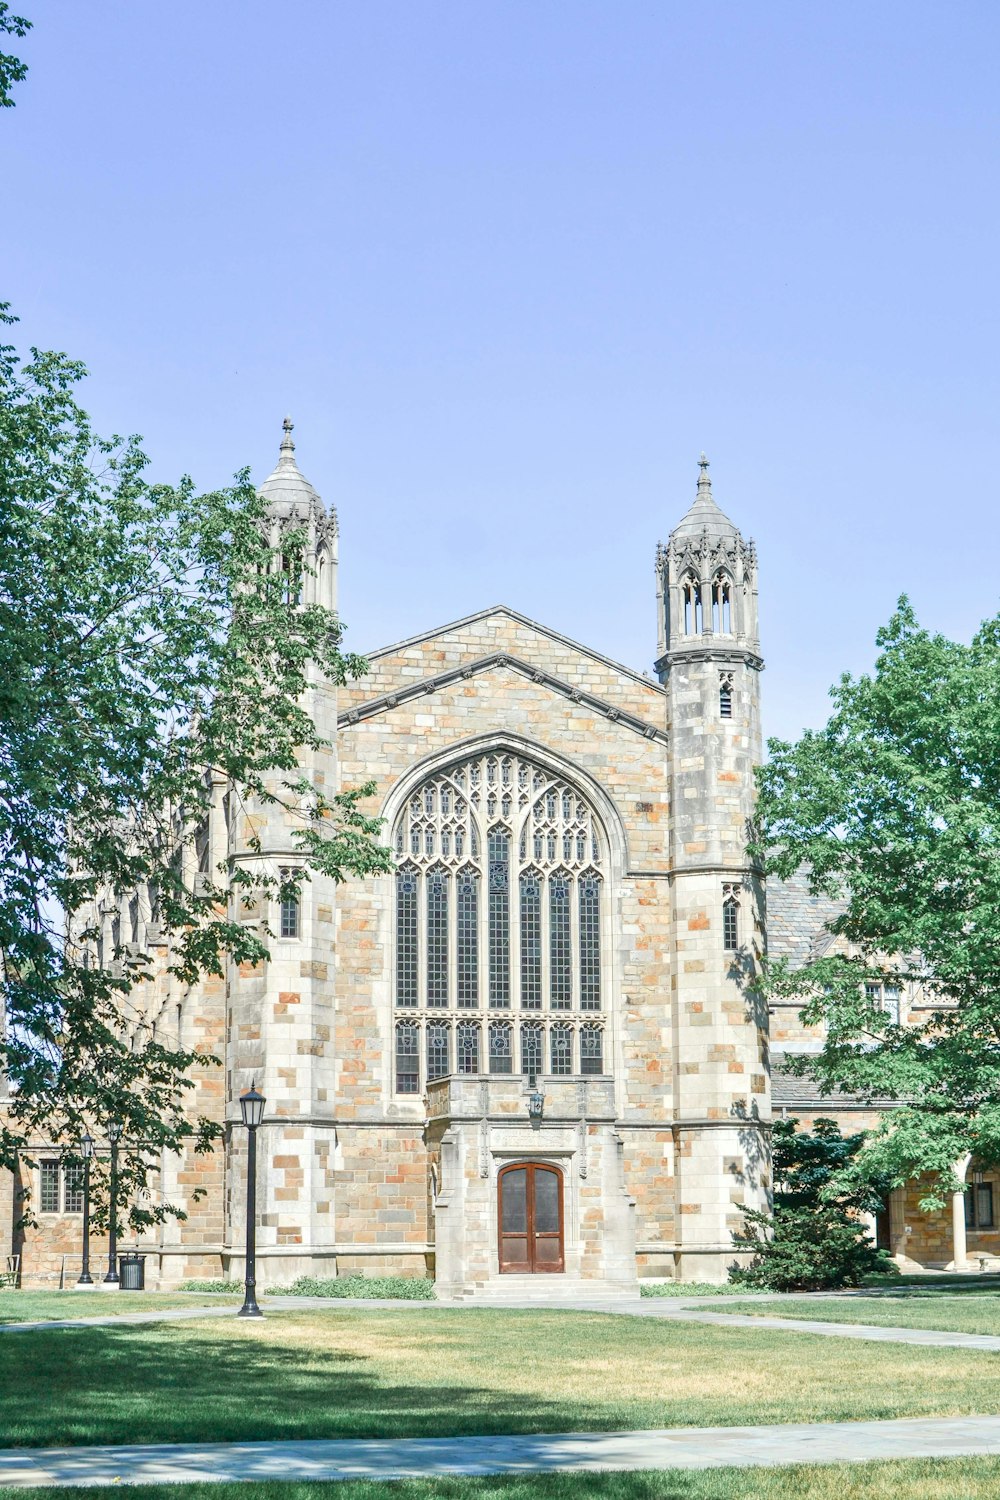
280 1021
709 663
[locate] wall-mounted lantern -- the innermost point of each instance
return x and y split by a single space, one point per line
536 1104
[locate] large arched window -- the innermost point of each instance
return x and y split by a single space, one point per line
500 885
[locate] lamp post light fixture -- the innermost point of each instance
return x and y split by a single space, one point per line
86 1151
536 1104
252 1109
114 1136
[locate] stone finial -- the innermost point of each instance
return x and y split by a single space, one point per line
287 446
704 478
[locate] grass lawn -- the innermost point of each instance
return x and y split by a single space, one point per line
29 1307
957 1312
349 1372
915 1479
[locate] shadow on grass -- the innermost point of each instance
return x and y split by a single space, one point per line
149 1385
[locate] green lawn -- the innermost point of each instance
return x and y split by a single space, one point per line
963 1311
916 1479
349 1372
28 1307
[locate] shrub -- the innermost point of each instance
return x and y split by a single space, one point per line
211 1286
687 1289
815 1240
398 1288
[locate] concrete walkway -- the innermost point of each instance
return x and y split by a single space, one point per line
415 1458
678 1310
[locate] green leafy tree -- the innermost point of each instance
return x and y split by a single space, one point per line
815 1239
893 810
12 69
146 648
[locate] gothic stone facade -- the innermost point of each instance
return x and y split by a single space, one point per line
533 1047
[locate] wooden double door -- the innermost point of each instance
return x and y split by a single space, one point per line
530 1218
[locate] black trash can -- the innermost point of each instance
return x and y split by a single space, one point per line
131 1272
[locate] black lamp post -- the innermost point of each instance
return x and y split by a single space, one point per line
114 1135
252 1106
86 1151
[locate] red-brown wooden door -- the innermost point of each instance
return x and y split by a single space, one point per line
530 1216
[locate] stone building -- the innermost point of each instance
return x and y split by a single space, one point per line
534 1048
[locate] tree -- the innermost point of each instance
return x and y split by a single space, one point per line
146 647
893 810
12 69
815 1239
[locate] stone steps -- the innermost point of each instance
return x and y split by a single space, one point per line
547 1290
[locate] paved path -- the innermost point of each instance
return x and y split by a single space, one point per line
405 1458
669 1309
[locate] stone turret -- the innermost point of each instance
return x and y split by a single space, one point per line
293 504
709 662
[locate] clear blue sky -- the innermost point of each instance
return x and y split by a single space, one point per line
510 266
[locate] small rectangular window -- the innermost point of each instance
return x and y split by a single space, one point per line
501 1060
437 1050
730 924
289 910
73 1188
984 1205
725 701
407 1058
591 1050
970 1209
561 1050
48 1187
468 1046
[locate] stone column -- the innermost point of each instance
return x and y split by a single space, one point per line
959 1261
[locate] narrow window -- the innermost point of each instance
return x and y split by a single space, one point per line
726 696
970 1209
590 943
500 1047
591 1049
73 1187
561 1049
984 1205
731 923
468 940
468 1046
48 1187
531 1048
407 1057
437 939
406 937
890 1003
437 1049
560 955
289 909
531 942
499 929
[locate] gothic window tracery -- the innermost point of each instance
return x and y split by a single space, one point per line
499 892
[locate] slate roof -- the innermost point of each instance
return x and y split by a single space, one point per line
797 920
789 1091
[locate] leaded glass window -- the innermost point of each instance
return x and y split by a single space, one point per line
500 892
561 1049
407 1057
730 919
48 1187
531 941
468 939
590 943
406 936
531 1048
501 1058
438 1035
73 1187
437 938
591 1049
467 1041
560 948
499 872
289 926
